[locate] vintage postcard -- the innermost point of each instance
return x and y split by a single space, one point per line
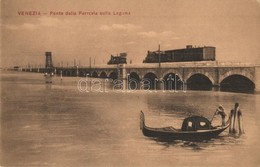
134 83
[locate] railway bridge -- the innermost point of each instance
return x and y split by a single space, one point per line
192 75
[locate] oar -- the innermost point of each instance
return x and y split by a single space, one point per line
212 118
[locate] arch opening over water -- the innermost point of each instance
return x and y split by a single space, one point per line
94 74
172 81
199 82
84 74
73 73
103 75
150 81
87 73
133 81
237 83
81 73
67 73
113 75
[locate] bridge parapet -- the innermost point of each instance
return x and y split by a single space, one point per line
189 64
248 72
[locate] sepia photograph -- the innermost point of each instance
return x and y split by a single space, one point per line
134 83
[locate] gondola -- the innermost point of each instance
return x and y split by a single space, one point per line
194 128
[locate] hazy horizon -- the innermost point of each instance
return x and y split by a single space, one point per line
232 26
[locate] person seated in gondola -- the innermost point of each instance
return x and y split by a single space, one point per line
220 111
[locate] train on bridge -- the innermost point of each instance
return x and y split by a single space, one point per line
190 53
121 59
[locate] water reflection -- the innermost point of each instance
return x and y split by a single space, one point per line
57 125
222 140
239 89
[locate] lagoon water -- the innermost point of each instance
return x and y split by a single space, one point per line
57 125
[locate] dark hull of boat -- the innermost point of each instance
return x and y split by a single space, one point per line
169 133
186 136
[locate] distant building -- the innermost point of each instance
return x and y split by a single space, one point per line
121 59
17 68
190 53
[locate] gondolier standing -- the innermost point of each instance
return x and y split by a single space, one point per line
220 111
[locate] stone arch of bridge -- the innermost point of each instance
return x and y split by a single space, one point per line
113 75
65 73
103 74
171 71
134 75
82 73
144 73
133 81
138 73
73 73
172 81
68 72
94 74
206 74
108 72
243 73
199 81
150 81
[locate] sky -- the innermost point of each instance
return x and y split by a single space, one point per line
232 26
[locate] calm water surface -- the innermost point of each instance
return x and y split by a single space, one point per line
57 125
